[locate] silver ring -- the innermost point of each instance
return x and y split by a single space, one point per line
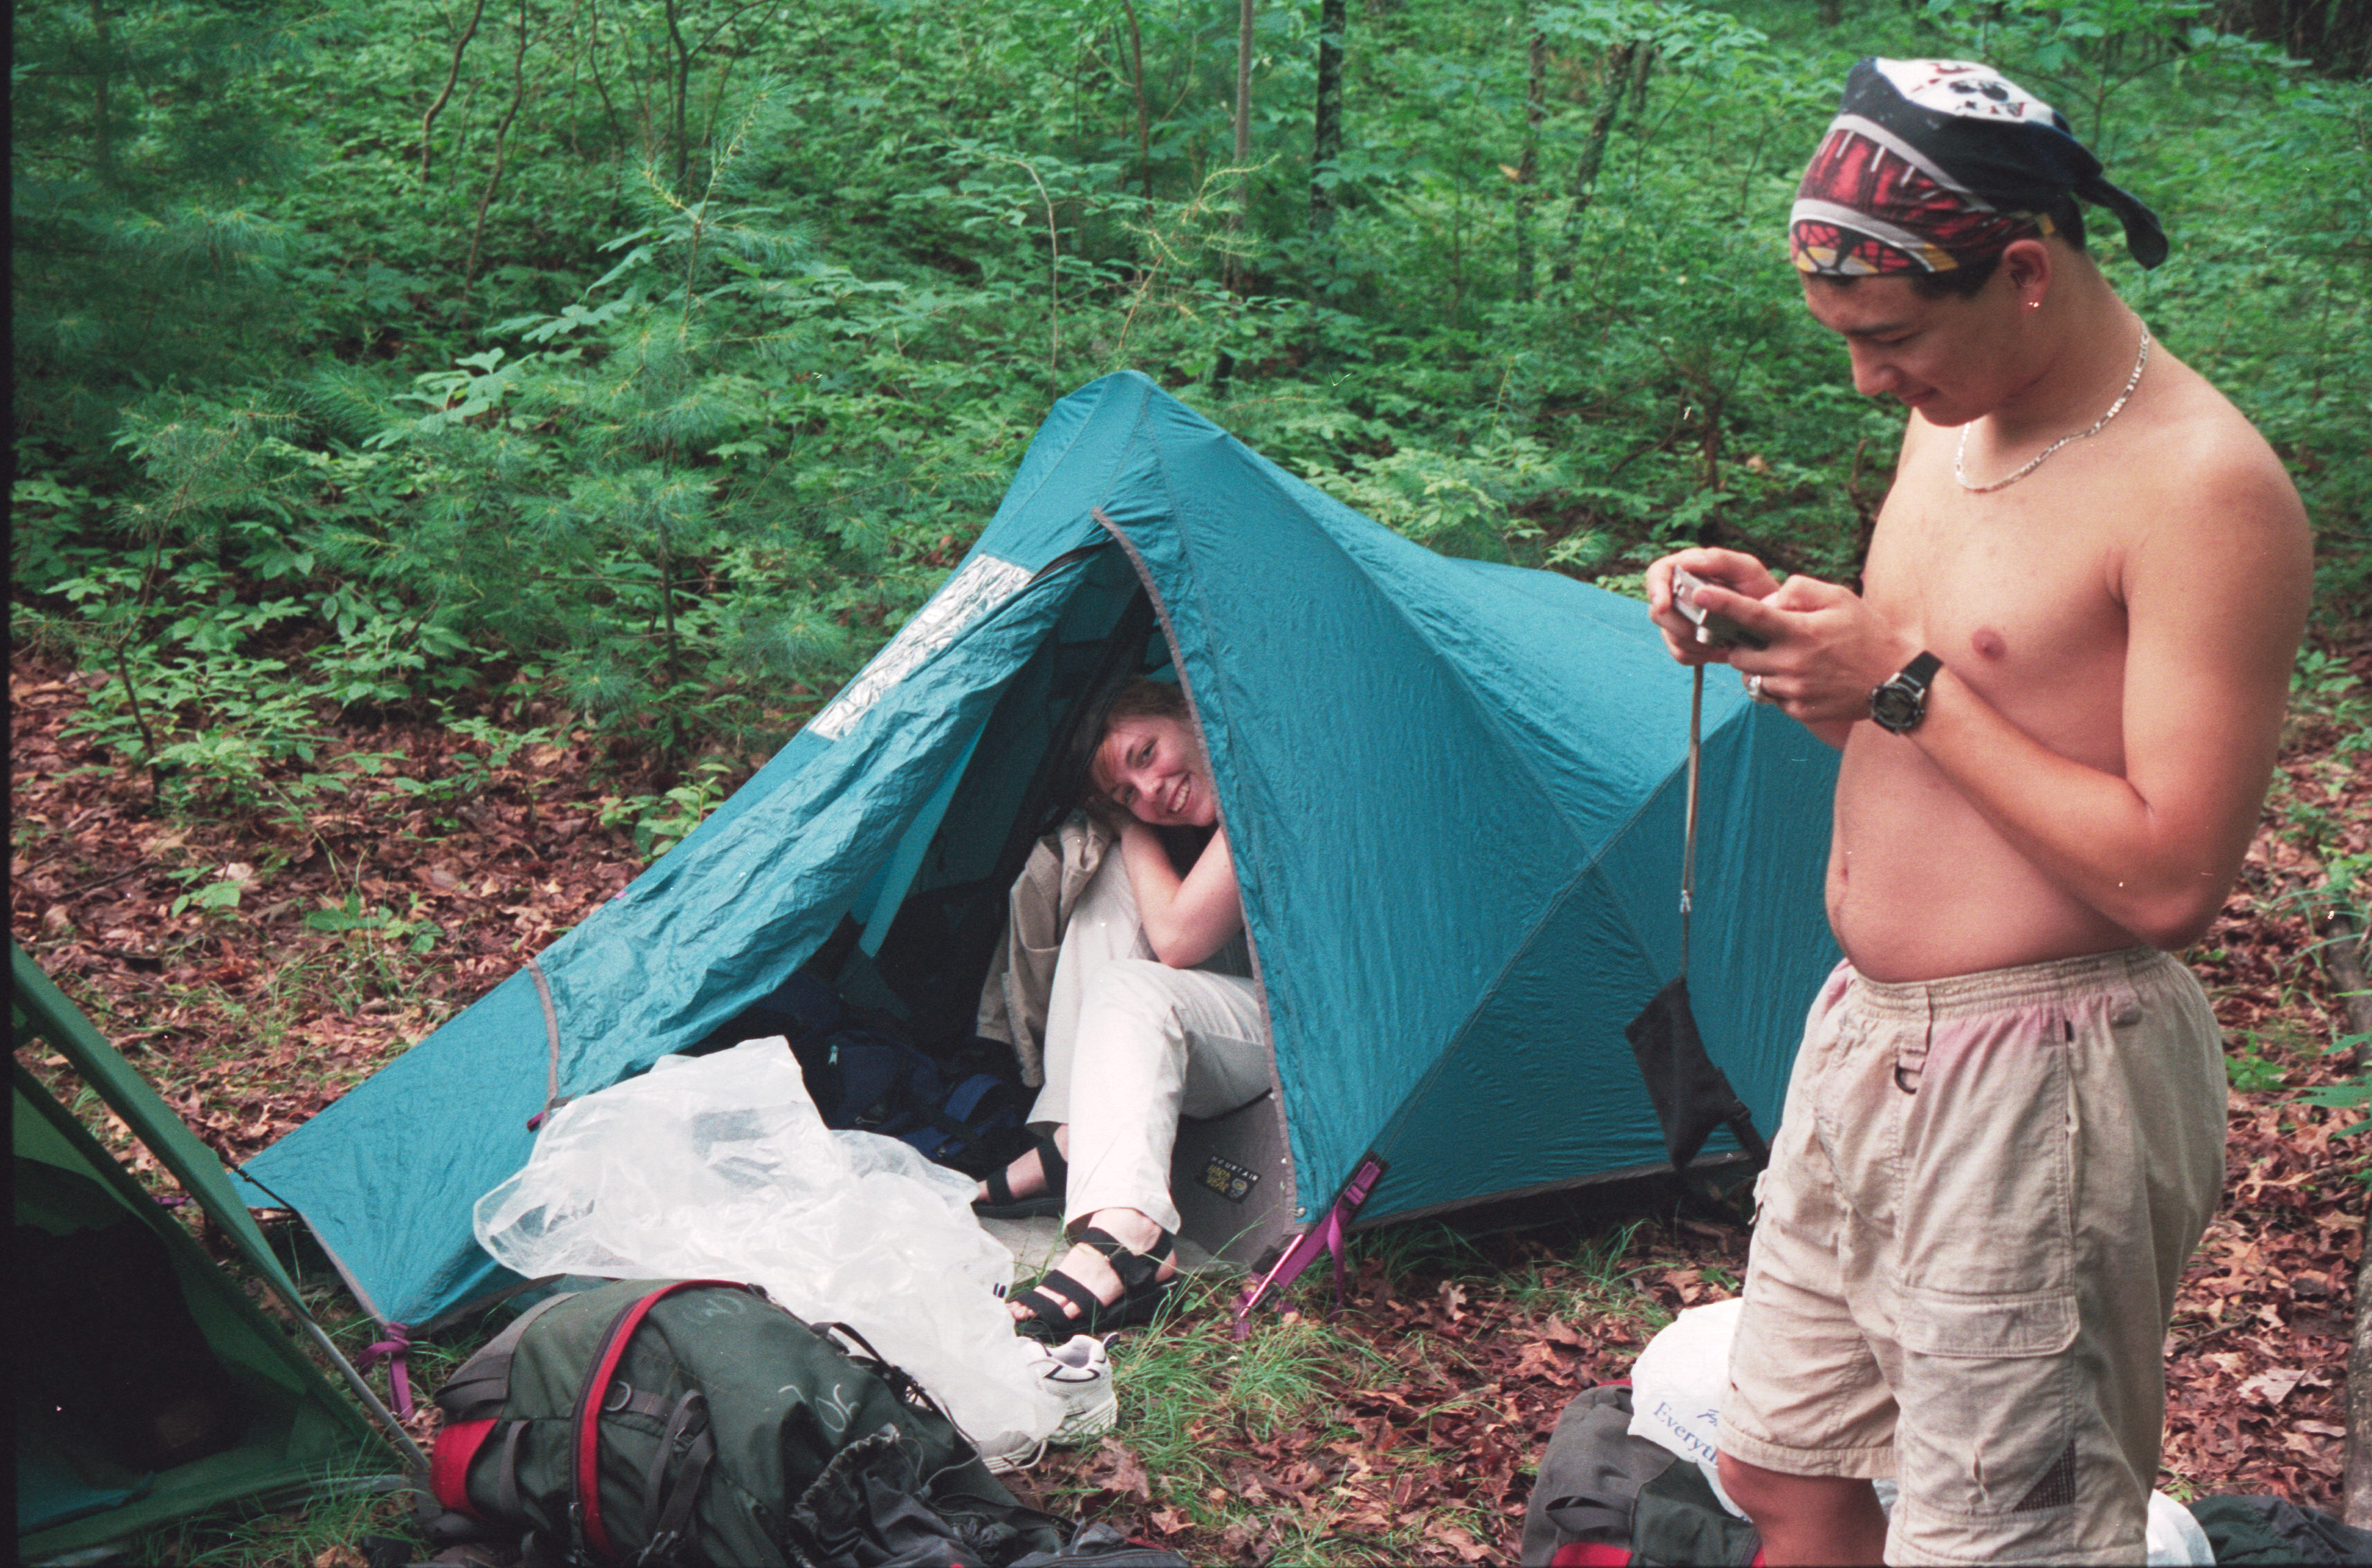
1754 690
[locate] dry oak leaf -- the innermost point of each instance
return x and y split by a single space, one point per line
1127 1475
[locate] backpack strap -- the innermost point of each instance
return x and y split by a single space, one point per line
902 1382
586 1524
482 1385
506 1488
1589 1511
669 1513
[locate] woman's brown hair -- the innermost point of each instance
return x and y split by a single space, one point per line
1142 699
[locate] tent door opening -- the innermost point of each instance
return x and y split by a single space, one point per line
925 958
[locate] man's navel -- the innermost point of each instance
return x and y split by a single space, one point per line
1989 642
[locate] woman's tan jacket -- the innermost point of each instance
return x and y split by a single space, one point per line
1021 977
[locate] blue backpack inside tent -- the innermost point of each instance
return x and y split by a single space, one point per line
1454 790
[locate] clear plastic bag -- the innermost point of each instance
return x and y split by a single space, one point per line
719 1167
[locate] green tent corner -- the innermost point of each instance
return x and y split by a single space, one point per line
286 1431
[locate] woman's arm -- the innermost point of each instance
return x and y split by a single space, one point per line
1186 918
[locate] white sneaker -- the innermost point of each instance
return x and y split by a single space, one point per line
1079 1370
1010 1451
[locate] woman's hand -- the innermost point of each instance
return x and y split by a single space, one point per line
1115 818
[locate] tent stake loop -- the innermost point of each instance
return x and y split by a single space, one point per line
1328 1235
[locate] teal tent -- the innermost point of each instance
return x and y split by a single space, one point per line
268 1425
1453 789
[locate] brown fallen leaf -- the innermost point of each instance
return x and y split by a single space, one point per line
1127 1475
2272 1386
1469 1549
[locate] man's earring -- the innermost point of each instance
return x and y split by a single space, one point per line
2034 304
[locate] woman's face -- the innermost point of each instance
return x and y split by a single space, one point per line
1153 768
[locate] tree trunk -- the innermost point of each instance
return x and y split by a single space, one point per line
2342 955
1643 66
1326 144
2356 1498
1528 170
1593 154
682 90
1244 83
1243 140
103 137
1144 120
452 75
502 133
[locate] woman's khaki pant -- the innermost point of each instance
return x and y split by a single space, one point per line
1132 1044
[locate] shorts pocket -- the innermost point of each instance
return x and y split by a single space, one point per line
1986 1169
1986 1418
1935 1322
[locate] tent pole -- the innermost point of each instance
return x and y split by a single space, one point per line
362 1390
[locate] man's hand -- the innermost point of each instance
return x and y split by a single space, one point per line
1742 576
1827 649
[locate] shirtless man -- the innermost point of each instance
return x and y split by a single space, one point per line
2059 698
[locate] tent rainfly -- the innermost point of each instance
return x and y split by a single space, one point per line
1453 790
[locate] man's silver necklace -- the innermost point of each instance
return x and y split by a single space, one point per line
2036 461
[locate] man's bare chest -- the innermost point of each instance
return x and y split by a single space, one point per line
2019 600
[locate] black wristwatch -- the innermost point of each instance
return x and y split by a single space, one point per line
1901 702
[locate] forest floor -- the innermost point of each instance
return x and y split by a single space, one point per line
363 918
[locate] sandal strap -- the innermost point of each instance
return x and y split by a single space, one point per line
1050 1164
1137 1271
1050 1161
1039 1299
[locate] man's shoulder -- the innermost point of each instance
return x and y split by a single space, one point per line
2215 517
2198 459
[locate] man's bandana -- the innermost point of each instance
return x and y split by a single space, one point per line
1935 164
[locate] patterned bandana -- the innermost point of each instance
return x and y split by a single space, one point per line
1936 164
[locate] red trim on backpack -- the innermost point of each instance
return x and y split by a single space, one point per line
588 1441
1593 1555
448 1466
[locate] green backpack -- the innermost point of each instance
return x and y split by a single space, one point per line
693 1421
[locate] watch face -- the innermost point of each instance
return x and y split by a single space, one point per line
1893 707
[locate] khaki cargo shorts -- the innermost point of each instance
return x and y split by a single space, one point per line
1979 1204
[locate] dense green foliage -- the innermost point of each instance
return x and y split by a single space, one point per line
651 360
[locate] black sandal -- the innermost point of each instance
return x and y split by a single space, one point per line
1001 1205
1142 1292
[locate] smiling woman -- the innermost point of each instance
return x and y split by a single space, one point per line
1153 1015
